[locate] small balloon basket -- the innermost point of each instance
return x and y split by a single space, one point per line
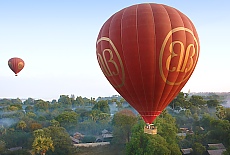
150 129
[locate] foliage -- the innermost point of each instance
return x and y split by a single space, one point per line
67 119
198 149
16 138
21 124
220 112
61 141
42 144
213 103
197 101
2 146
146 144
123 122
65 101
102 105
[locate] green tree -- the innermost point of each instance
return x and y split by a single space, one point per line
16 101
145 144
188 113
31 115
21 124
123 122
65 101
41 105
79 100
42 145
29 101
102 106
197 101
2 146
61 141
213 103
220 112
54 123
195 116
67 119
198 149
29 108
180 101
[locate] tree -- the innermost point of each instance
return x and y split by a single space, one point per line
213 103
188 113
2 146
54 123
180 101
198 149
21 124
80 101
29 101
67 119
145 144
197 101
42 145
220 112
195 116
29 108
123 122
65 101
31 115
102 106
35 126
61 141
41 105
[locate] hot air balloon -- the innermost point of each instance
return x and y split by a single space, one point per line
148 52
16 65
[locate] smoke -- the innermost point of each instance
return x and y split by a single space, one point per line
7 122
227 102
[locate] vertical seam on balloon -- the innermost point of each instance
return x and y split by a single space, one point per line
127 90
153 104
131 96
145 107
160 99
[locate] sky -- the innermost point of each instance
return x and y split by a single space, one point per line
57 41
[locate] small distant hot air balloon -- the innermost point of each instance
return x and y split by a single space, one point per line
148 52
16 65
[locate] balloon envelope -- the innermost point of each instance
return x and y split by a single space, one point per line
16 65
148 52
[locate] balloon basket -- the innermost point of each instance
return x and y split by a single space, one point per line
150 129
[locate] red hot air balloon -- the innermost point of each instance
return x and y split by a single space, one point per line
148 52
16 65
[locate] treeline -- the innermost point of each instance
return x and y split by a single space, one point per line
21 122
45 127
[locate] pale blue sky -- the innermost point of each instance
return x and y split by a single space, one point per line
57 40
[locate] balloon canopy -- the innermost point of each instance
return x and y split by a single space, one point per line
16 65
148 52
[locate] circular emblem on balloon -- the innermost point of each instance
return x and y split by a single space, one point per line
177 56
110 62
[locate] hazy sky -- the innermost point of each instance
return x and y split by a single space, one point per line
57 41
